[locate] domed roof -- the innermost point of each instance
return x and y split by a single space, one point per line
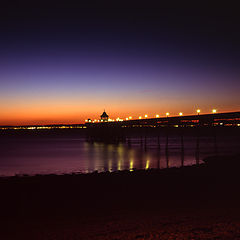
104 115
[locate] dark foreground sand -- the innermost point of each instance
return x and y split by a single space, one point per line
199 202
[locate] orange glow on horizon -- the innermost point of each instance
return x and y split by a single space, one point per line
44 113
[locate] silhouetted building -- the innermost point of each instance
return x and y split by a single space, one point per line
104 117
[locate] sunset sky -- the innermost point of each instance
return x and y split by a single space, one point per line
62 63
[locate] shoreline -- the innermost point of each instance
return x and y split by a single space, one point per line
210 163
133 171
195 201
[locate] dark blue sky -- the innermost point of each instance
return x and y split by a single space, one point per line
63 62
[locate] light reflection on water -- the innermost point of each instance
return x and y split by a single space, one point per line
65 155
110 157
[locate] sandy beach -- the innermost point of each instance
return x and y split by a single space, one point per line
198 202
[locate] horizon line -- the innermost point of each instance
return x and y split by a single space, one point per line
136 119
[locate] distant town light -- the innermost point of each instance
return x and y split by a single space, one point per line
198 111
86 120
139 117
126 118
180 114
130 117
214 111
157 115
167 114
145 115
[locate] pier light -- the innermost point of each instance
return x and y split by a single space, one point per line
214 110
198 111
180 114
130 117
126 118
145 115
157 115
167 114
139 117
86 120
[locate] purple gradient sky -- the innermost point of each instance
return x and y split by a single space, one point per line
61 66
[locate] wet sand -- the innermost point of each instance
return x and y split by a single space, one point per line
198 202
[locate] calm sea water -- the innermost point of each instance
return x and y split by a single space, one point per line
58 155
